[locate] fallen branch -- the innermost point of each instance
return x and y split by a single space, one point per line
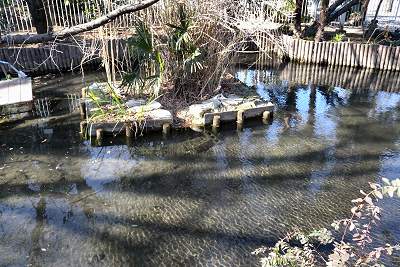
74 30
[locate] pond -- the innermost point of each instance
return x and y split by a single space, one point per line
193 199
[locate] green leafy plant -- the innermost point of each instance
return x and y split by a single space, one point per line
7 77
107 103
146 76
181 43
299 249
338 37
290 6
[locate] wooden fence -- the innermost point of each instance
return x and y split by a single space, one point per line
63 57
46 59
15 15
370 56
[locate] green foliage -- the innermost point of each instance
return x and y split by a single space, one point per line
108 104
338 37
149 52
147 74
7 77
181 43
299 249
290 6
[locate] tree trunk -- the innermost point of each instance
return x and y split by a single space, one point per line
373 25
297 18
323 20
377 9
38 14
74 30
364 9
332 14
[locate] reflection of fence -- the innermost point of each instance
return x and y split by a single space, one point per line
345 77
46 107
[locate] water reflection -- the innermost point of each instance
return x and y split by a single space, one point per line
51 106
197 199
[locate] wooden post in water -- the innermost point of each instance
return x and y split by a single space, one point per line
82 108
84 93
128 130
266 117
82 104
240 117
166 129
82 127
99 136
216 121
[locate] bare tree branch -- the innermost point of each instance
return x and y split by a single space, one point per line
74 30
342 10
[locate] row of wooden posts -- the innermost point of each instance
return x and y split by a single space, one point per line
66 57
167 127
370 56
351 54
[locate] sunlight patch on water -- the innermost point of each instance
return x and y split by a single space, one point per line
106 165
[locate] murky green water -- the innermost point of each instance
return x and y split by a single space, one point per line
193 199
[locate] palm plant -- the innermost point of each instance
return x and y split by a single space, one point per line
181 43
149 63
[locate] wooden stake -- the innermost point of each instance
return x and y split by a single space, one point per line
240 117
84 93
128 130
82 127
166 128
82 109
266 116
99 135
216 121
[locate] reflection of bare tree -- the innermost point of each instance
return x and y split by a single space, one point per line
37 232
290 110
46 107
330 95
312 105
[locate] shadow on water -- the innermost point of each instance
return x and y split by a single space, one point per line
194 199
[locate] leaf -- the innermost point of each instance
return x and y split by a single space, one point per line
373 186
378 194
386 181
369 200
354 210
358 200
352 227
391 190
